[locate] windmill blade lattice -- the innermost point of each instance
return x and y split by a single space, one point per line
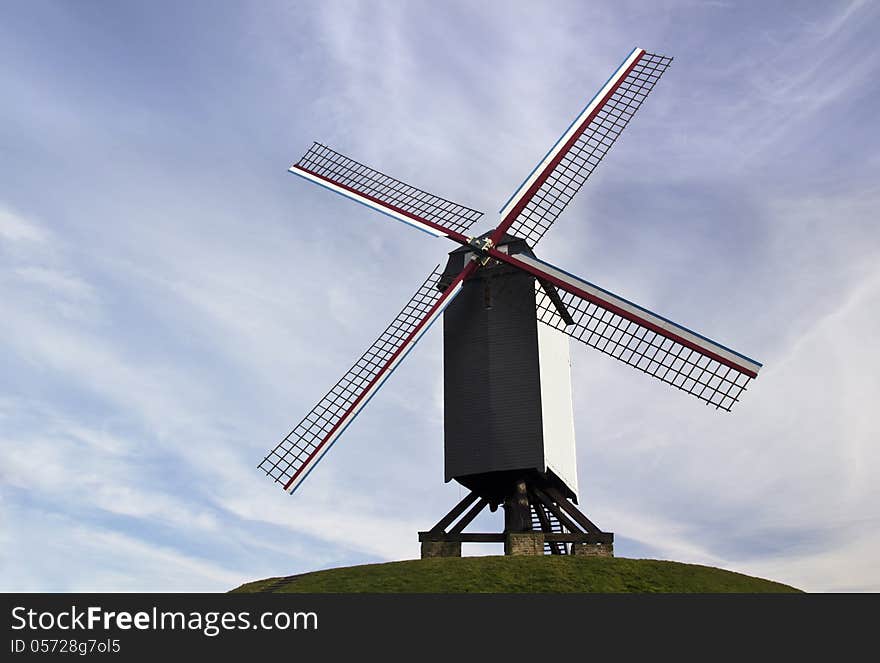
599 130
486 332
667 360
386 194
292 459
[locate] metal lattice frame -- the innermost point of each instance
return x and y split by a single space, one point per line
593 144
644 349
322 161
304 441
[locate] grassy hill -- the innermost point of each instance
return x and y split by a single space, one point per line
520 574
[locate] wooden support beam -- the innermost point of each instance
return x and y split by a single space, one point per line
463 537
572 510
553 294
556 511
588 537
548 498
469 516
456 511
498 537
479 537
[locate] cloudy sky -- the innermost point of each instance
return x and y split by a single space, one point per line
172 301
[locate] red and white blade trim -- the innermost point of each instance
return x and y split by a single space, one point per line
541 171
297 454
633 312
429 213
369 201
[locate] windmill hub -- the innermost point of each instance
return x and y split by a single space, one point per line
507 321
482 245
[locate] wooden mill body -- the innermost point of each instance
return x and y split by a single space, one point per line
507 384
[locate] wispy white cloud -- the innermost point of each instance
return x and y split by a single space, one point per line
797 460
78 558
178 301
59 283
14 227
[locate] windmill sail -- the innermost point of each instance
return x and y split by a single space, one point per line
644 340
542 197
596 317
420 209
295 456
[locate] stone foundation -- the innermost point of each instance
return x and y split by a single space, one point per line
592 549
441 549
524 543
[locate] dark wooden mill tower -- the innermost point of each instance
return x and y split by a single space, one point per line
508 317
508 421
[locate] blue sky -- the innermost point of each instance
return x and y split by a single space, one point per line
173 301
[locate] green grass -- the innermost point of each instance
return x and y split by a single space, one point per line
520 574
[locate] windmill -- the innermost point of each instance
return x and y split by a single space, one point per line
508 316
